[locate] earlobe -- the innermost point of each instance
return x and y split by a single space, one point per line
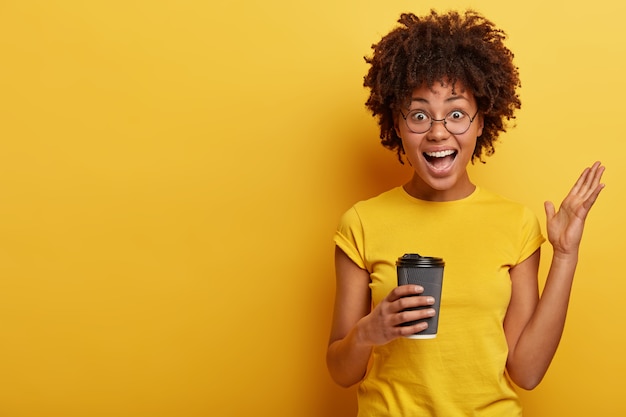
481 125
396 128
396 124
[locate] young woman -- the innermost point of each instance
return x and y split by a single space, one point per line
442 87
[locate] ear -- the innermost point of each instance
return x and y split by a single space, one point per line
396 124
481 125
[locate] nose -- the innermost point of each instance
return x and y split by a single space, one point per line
438 130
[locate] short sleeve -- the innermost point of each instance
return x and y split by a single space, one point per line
531 237
349 237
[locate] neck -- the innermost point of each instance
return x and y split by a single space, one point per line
423 191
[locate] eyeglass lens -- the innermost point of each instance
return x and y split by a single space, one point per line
456 122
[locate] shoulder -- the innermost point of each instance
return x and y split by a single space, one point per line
484 194
489 198
382 201
374 210
504 214
508 215
384 197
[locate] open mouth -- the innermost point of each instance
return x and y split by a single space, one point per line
440 160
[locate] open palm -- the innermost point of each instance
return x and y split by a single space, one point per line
565 227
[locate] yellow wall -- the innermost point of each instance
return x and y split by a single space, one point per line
171 174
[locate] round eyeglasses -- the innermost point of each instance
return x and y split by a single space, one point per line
456 122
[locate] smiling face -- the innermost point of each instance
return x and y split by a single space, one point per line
440 158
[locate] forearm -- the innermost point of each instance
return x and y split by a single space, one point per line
537 344
347 359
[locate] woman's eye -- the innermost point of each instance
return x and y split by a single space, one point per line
419 117
456 115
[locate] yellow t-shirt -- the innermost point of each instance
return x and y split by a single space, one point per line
461 372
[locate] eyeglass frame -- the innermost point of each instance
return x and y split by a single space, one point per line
432 120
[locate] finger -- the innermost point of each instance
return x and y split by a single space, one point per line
592 185
413 315
578 185
415 328
595 173
587 183
550 210
598 171
589 202
402 291
413 302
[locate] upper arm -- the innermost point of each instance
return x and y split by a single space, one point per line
524 298
352 296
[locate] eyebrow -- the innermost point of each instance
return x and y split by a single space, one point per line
448 100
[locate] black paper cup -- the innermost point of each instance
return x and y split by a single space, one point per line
426 271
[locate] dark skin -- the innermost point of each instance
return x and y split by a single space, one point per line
459 47
442 62
533 326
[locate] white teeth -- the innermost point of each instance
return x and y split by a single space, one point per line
440 154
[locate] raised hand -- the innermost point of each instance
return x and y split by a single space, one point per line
565 227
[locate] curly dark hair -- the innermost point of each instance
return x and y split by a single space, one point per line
455 47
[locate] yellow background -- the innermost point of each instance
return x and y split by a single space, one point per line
171 174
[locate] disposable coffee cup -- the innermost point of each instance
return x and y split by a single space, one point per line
426 271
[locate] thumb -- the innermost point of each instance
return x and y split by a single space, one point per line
549 207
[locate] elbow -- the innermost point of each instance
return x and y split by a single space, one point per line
342 376
526 381
528 384
344 379
345 383
527 374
